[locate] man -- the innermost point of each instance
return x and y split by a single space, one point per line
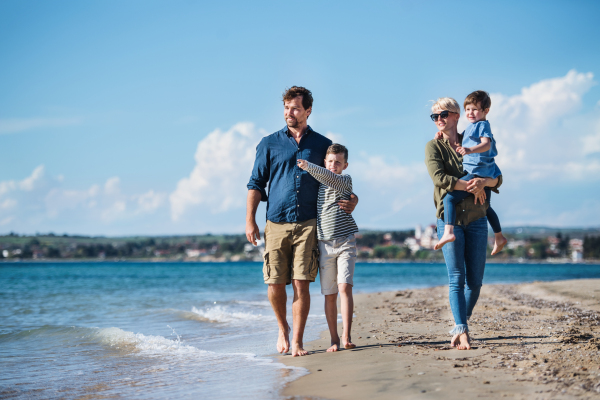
291 246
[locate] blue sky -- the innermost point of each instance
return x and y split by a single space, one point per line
141 117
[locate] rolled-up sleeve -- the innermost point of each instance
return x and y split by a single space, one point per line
495 188
436 168
260 171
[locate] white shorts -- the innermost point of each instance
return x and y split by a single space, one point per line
336 263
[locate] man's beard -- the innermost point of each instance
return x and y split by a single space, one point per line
292 124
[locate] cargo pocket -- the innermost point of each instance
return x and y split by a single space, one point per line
266 267
313 269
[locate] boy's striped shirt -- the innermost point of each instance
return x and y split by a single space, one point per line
332 221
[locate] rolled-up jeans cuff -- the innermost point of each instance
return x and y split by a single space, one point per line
459 329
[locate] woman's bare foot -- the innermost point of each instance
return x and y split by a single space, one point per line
463 342
499 243
298 350
446 238
283 341
454 340
348 343
335 346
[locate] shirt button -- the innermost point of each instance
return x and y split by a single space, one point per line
297 191
298 205
297 176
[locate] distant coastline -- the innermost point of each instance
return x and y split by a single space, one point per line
526 245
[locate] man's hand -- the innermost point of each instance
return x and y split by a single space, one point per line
252 232
439 135
348 205
303 164
463 150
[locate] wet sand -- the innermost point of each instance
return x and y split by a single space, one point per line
530 341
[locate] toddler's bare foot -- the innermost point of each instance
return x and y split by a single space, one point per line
335 346
499 245
298 350
283 341
464 342
446 238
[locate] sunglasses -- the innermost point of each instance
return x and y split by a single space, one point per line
443 114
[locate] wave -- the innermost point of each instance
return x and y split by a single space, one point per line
225 315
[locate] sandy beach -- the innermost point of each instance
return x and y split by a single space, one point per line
530 341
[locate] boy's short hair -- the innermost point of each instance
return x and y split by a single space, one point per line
296 91
446 103
337 149
479 98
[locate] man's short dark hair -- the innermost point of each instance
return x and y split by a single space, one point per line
296 91
338 149
478 98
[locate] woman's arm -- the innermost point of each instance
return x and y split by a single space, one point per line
436 168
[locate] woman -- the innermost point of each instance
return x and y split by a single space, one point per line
465 257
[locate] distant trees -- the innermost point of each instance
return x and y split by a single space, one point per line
591 247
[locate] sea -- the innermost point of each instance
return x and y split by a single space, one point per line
175 330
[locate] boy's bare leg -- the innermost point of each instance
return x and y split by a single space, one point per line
300 308
278 299
347 310
500 242
447 237
331 316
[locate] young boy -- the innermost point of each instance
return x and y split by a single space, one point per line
478 150
335 231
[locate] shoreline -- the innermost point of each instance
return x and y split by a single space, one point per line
362 261
530 340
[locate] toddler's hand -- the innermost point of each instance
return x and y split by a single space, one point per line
438 136
303 164
463 150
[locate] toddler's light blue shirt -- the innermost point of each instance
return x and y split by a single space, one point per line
481 164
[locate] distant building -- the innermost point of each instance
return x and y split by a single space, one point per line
576 246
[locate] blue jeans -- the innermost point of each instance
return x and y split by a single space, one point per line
453 198
465 260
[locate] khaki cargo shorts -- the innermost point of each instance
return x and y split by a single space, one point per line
291 252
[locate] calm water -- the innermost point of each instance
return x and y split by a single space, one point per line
172 330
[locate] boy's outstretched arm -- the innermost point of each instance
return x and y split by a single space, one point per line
341 183
485 145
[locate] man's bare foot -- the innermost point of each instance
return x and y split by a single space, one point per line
348 343
463 342
298 350
283 341
335 346
446 238
499 245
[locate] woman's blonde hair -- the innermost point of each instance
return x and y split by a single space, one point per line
446 103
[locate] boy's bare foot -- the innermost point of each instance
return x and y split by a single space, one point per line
463 341
348 343
446 238
335 346
499 244
283 341
298 350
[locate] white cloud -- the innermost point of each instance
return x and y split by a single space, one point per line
15 125
223 164
335 137
38 200
536 135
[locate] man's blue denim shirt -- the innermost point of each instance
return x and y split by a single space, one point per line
293 192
